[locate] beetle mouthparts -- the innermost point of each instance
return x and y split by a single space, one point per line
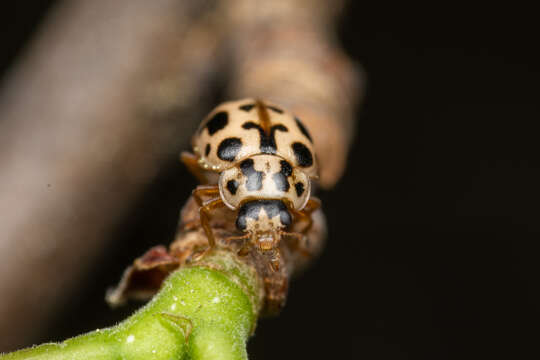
265 242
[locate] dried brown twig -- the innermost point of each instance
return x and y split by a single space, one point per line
142 280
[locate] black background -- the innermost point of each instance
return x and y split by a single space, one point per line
433 244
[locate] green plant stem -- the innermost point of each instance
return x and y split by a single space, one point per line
206 311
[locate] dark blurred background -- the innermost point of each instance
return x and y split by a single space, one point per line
433 243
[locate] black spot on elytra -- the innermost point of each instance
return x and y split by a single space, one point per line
303 129
254 177
207 150
302 154
247 107
272 208
299 188
275 109
267 142
229 148
232 186
280 178
217 122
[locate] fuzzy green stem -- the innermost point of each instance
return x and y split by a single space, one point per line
214 304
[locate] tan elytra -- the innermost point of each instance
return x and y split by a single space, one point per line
236 130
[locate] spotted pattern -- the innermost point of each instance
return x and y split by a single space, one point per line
275 109
232 186
299 188
302 154
267 141
286 168
217 122
281 178
229 148
257 127
281 182
264 176
254 177
247 107
303 129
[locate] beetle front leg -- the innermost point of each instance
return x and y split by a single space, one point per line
201 191
205 215
246 245
305 214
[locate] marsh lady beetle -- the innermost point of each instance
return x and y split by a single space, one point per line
256 159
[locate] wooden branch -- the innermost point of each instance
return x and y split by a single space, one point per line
287 53
107 92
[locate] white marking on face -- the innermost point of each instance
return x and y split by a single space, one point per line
263 223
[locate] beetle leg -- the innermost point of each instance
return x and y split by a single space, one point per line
275 260
245 245
312 205
305 214
204 190
204 213
244 250
231 239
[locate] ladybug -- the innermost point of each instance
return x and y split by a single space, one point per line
258 160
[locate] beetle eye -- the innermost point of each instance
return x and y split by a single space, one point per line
285 217
241 222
